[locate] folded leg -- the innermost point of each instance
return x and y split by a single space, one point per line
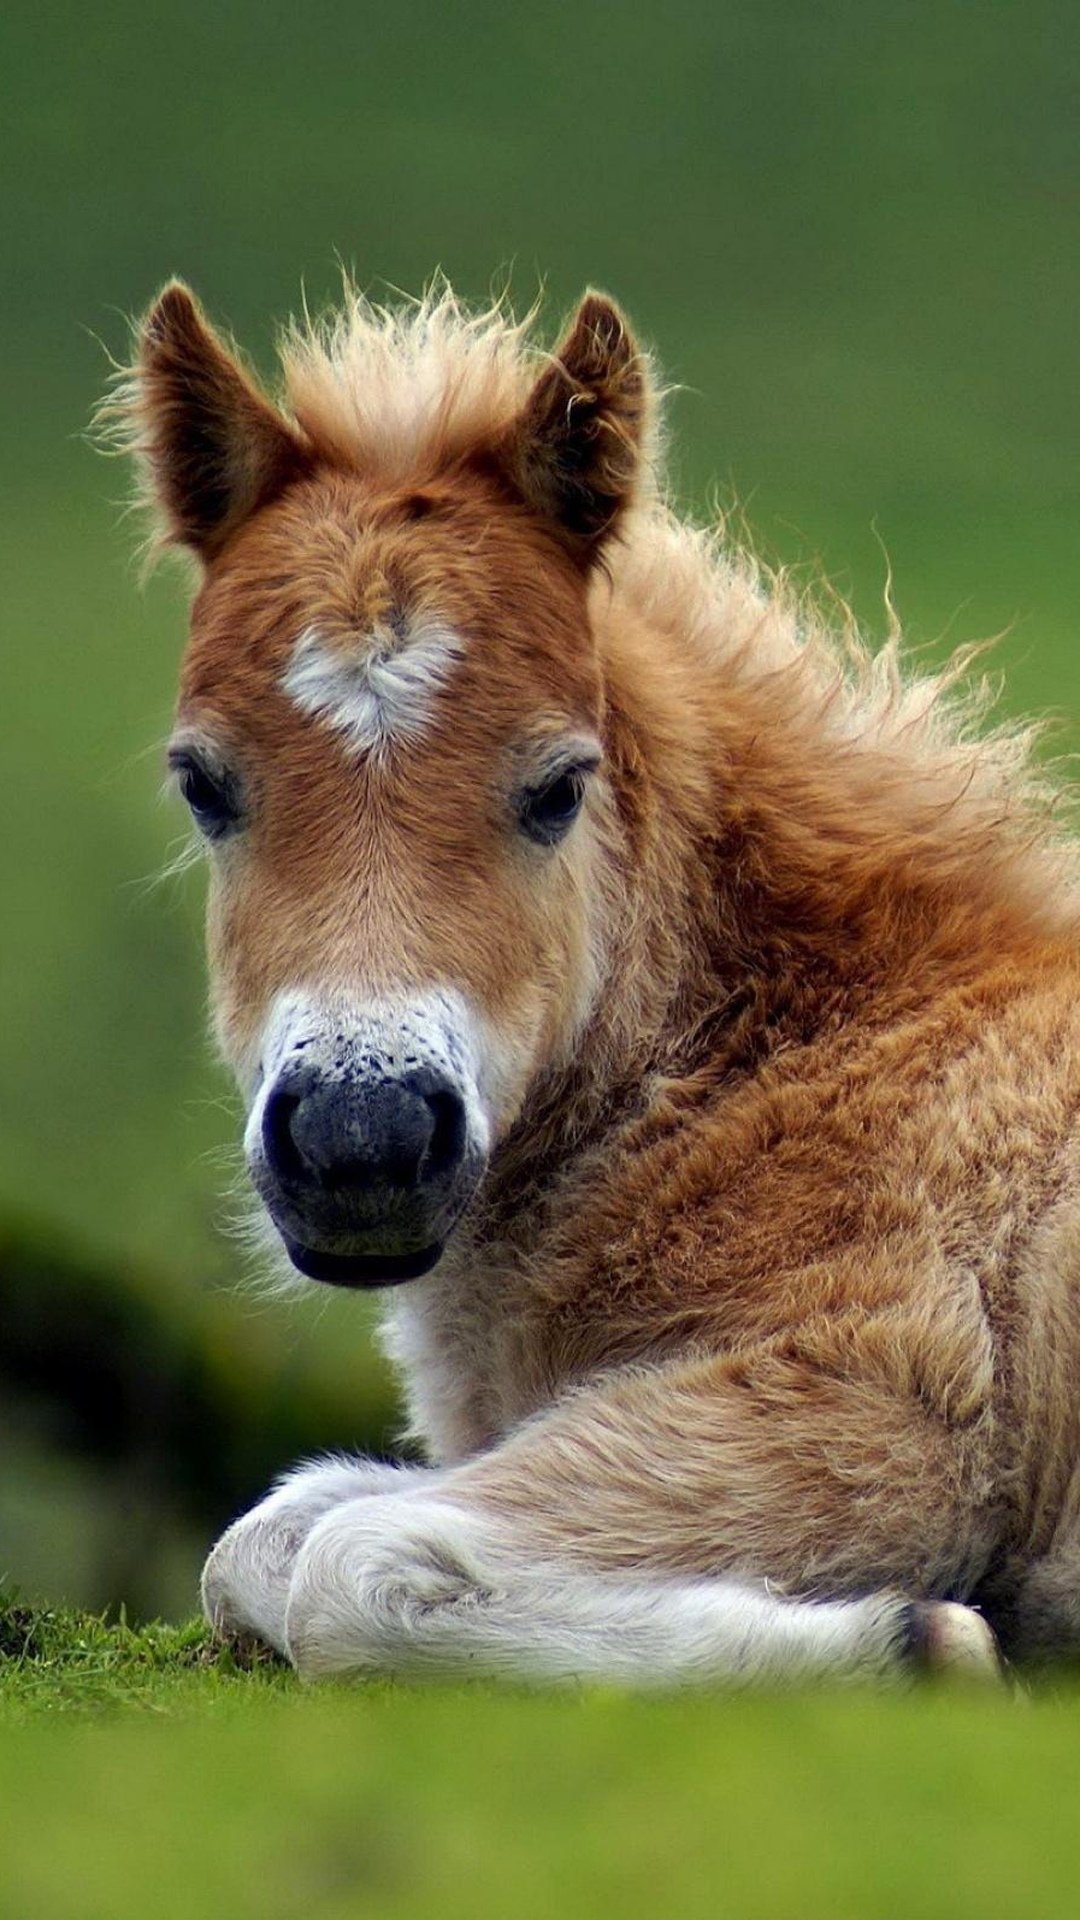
631 1531
415 1583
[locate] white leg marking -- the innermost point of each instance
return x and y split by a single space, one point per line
245 1582
357 1566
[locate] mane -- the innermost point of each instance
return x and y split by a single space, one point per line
943 781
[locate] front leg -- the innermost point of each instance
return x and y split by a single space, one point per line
245 1581
631 1534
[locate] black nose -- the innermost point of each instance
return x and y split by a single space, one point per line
349 1136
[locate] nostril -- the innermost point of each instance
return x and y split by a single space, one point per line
447 1143
281 1149
348 1138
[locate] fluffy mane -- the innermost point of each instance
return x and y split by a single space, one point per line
935 781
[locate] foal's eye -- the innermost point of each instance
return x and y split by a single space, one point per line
548 812
212 796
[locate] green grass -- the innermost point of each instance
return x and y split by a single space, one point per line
65 1661
146 1772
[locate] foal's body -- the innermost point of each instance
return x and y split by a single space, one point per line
756 1234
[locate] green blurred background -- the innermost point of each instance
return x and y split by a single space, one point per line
851 231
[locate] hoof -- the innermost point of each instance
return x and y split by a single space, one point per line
954 1643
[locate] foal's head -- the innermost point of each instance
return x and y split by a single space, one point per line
390 737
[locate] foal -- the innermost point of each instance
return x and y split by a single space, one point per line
671 1009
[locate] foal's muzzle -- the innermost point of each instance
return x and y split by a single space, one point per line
364 1148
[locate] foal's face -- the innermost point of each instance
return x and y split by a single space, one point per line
389 733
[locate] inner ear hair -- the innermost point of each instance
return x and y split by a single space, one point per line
575 453
213 447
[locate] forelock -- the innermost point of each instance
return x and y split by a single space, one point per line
394 390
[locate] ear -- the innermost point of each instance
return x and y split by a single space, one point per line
576 450
214 447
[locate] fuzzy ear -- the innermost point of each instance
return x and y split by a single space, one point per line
214 447
576 450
